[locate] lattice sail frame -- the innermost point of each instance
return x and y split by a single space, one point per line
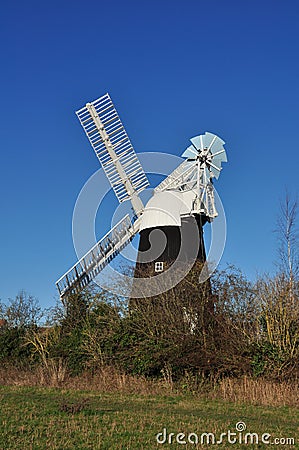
91 264
114 150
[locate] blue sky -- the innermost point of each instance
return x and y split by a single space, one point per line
174 69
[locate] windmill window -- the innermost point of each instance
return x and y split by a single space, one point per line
159 266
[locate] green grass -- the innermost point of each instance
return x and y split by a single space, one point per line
46 418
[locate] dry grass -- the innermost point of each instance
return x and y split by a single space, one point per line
106 379
259 392
109 380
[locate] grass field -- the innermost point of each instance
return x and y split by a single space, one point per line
50 418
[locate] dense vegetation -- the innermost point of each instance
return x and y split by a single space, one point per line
254 330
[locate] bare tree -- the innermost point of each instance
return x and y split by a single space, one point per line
287 232
237 304
42 341
23 310
279 295
279 300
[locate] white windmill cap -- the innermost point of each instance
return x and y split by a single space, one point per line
166 208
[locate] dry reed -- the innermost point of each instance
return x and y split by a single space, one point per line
258 391
107 379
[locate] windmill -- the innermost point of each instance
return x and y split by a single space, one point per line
186 195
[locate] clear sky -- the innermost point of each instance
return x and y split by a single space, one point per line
174 69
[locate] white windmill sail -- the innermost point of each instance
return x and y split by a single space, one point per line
181 179
114 150
91 264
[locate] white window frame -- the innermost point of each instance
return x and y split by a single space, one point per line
159 266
